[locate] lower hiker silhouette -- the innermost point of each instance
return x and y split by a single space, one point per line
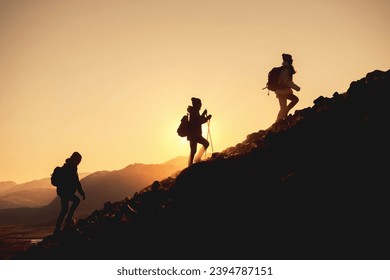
67 192
286 92
195 133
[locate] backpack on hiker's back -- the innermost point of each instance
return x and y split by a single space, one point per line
184 126
59 176
273 82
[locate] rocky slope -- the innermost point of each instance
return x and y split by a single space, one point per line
313 186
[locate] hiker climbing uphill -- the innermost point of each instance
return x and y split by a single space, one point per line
195 132
66 191
285 88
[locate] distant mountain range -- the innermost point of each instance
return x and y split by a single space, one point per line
31 194
6 186
312 187
35 193
38 199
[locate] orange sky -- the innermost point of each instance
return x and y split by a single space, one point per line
111 79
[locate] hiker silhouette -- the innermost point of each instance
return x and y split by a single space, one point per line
286 92
67 192
195 134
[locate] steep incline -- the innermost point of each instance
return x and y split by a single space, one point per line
311 187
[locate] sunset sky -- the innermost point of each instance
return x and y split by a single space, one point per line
111 79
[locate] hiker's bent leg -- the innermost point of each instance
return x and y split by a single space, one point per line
204 142
193 145
75 202
202 150
294 100
283 106
61 216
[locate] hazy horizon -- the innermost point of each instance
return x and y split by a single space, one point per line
112 79
87 173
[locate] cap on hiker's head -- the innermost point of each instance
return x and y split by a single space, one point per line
286 57
196 101
76 156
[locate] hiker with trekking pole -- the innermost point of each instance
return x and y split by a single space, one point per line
194 134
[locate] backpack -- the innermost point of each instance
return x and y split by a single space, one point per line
273 79
184 126
58 177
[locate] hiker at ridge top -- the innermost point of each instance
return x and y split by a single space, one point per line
68 190
195 134
286 93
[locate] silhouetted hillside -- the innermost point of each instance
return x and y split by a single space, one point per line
311 187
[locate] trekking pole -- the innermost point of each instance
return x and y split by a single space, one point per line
209 135
205 150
